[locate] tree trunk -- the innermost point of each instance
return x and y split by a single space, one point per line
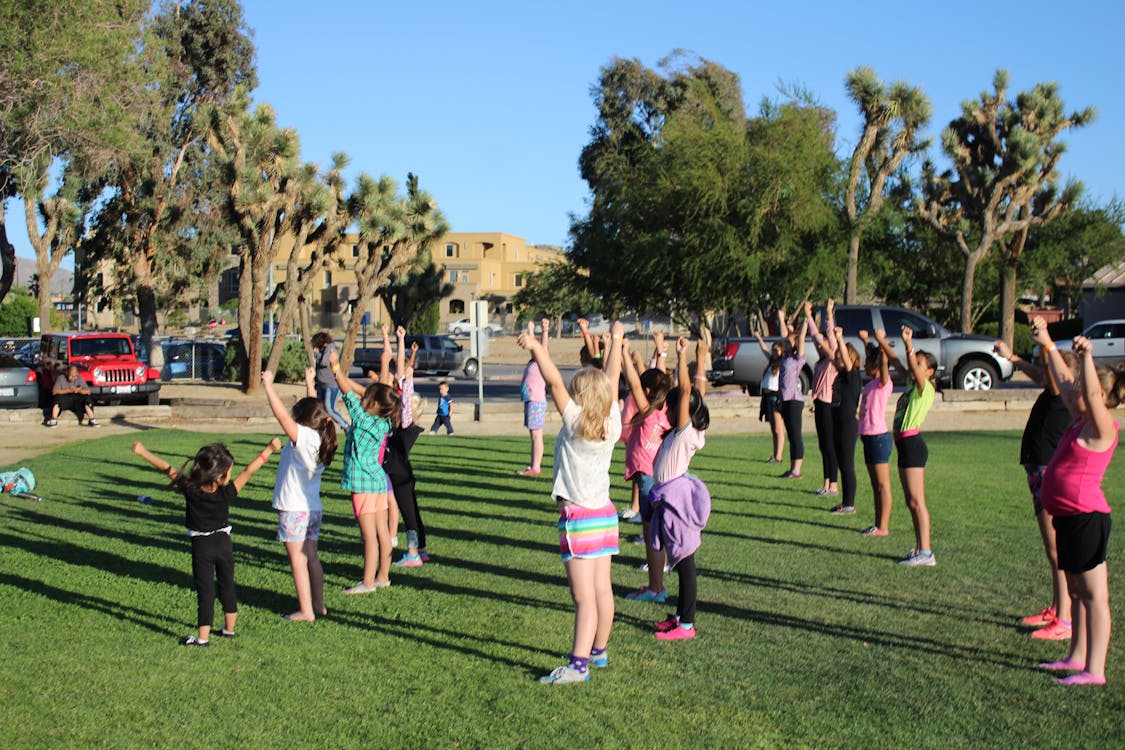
852 282
7 257
146 297
306 329
1007 302
253 338
967 281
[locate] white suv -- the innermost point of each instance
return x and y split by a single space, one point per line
462 327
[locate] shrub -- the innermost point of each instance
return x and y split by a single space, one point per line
1021 340
18 308
427 320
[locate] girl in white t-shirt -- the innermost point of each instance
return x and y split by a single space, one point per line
296 493
587 518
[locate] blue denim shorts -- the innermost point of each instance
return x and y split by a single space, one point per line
877 448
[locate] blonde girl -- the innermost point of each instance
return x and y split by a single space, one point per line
587 518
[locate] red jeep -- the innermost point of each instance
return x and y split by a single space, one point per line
106 361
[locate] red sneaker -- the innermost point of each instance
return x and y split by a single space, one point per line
1057 630
665 625
1042 618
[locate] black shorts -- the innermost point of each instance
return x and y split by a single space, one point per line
1081 541
912 452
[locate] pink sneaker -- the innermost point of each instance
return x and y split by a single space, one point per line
1057 630
1040 618
1063 665
529 472
678 633
665 625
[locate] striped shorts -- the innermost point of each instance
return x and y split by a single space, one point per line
587 532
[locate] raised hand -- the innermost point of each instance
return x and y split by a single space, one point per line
275 444
584 325
907 335
1082 346
617 329
527 340
267 378
400 332
1002 349
681 345
1039 333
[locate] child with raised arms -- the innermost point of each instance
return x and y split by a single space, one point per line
587 517
681 503
311 430
873 433
1072 493
209 490
374 411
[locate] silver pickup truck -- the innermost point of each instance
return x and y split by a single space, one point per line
965 361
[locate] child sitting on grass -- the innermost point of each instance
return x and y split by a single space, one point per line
209 491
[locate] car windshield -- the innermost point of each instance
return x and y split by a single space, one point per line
450 344
100 347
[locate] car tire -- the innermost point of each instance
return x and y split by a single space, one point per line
976 375
471 367
458 331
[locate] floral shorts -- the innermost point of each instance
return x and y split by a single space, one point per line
298 525
534 414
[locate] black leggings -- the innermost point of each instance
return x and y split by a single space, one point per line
407 499
845 432
689 590
791 413
212 556
822 415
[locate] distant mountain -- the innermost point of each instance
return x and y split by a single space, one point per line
61 284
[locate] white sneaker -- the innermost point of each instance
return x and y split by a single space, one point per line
628 514
564 674
917 558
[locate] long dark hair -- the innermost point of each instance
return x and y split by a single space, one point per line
700 414
211 464
310 412
380 400
655 383
321 340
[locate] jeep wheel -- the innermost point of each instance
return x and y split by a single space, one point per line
976 375
471 367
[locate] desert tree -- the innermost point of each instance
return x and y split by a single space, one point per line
892 116
1004 179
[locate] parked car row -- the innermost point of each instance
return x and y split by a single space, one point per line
437 353
1107 340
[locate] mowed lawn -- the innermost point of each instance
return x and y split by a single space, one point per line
809 634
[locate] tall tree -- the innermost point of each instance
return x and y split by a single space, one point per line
393 230
892 117
1005 158
199 54
69 85
553 290
410 293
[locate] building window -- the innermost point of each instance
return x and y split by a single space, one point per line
355 251
464 277
456 307
519 280
451 250
492 279
452 277
327 307
327 279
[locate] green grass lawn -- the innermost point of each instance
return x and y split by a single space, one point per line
809 635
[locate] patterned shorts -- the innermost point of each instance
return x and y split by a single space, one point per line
298 525
1035 484
534 414
587 532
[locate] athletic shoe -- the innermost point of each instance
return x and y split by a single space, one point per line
917 558
52 423
789 475
635 518
191 640
408 561
601 660
1082 678
1042 618
529 472
1057 630
644 566
825 493
224 633
645 594
772 460
424 555
394 541
678 633
1063 665
874 531
673 621
93 423
362 588
563 675
629 514
843 510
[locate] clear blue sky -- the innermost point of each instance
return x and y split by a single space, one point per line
489 102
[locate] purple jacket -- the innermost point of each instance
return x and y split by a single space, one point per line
680 508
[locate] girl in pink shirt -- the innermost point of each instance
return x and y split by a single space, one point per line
647 428
873 433
1072 494
533 392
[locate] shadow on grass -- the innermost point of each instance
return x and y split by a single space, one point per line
785 519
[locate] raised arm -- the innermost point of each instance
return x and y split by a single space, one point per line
157 462
1056 365
762 343
310 382
700 373
822 347
634 379
346 384
1021 364
885 347
660 352
259 461
917 369
782 323
400 352
547 369
683 383
288 424
544 327
801 333
843 361
1099 422
385 358
614 354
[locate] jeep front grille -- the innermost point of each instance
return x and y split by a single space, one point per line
112 375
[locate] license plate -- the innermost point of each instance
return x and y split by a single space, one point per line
120 389
8 392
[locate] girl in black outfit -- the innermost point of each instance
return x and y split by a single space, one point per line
209 491
845 425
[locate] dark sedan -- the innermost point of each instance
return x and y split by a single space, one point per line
18 387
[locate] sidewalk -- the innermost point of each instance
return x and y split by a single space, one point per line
223 408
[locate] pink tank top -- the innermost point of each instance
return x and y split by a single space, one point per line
1072 483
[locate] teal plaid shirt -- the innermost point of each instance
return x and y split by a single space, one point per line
362 471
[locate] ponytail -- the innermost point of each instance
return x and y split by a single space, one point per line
311 413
